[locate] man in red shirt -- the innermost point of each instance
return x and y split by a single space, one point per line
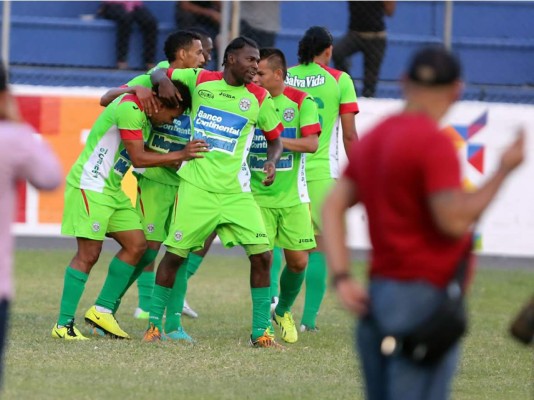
407 175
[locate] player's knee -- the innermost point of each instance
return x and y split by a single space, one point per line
137 248
298 265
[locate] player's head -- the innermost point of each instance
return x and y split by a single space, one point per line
241 59
167 112
183 49
315 41
207 44
272 69
433 78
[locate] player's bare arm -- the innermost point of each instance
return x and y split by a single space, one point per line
350 135
166 90
145 95
144 159
352 295
274 151
306 144
454 211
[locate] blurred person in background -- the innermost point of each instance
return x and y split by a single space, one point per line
125 14
406 173
366 34
22 157
207 46
260 21
334 93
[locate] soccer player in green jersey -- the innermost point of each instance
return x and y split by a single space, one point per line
285 204
215 194
335 96
96 206
157 188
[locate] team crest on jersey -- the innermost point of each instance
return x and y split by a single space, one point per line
244 104
178 235
289 114
95 226
150 228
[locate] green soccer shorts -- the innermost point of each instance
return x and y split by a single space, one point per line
89 214
155 203
234 216
290 227
318 190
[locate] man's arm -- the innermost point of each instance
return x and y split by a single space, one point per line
306 144
348 125
145 95
343 196
166 89
274 151
143 159
454 211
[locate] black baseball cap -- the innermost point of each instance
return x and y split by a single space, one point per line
434 65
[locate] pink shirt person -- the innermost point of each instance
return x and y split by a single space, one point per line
22 157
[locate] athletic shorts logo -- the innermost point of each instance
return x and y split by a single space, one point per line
244 104
178 235
289 114
150 228
205 94
95 226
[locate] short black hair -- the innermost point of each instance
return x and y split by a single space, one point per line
3 76
275 57
182 88
315 40
178 40
434 65
237 44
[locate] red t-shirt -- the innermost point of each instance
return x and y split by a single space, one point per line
396 167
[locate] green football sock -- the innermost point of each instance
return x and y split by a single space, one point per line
73 288
160 298
119 274
316 274
193 263
148 257
175 305
290 284
261 307
275 271
145 287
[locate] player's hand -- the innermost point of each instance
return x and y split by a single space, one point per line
194 149
353 296
147 100
168 93
513 156
270 170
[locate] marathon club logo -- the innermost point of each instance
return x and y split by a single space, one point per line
220 129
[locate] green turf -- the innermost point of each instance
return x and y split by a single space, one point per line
222 365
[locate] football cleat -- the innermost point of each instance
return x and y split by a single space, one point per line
266 340
67 332
152 334
287 327
105 322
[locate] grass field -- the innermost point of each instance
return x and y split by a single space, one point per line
221 365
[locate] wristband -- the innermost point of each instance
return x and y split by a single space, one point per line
341 276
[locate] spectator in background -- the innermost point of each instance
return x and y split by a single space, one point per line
367 33
207 46
125 13
407 175
260 21
23 157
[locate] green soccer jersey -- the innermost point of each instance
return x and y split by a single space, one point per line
225 117
104 160
298 113
334 94
164 138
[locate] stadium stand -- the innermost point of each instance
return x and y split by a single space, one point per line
52 44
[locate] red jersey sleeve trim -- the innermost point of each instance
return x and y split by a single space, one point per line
275 133
133 98
349 108
169 72
295 95
259 92
308 130
332 71
129 134
207 76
